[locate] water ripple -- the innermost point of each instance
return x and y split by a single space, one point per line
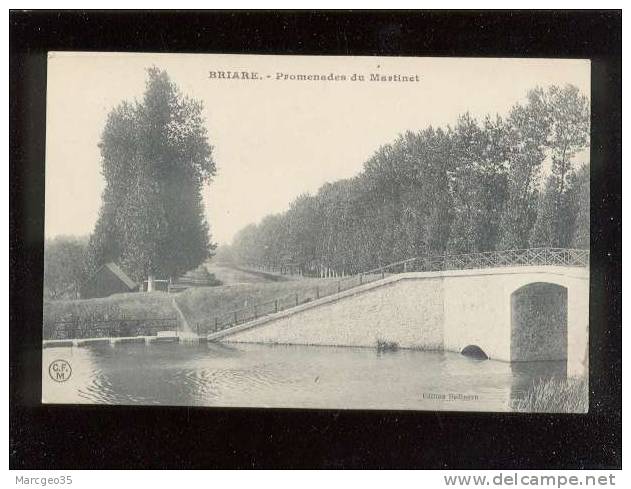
286 376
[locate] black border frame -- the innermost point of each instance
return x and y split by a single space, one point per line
73 437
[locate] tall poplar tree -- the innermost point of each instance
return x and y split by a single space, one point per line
156 158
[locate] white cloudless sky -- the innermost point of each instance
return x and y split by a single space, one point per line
273 139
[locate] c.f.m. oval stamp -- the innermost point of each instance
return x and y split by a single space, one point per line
59 370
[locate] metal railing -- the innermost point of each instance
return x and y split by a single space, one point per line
492 259
435 263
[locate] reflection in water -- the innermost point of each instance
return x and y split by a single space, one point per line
288 376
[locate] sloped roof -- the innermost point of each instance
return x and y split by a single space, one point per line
115 269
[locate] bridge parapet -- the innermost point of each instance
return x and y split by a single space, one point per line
490 259
507 312
528 257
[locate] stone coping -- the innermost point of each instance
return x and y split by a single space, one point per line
110 341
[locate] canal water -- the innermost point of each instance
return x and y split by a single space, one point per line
281 376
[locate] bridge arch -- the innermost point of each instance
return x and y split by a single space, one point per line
539 321
474 351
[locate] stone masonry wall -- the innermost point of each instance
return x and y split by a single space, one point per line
477 313
539 323
408 312
440 311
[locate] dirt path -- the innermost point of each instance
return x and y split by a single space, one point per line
230 275
185 327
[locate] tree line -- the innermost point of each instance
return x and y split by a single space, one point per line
497 183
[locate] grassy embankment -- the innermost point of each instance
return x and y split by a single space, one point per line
139 305
199 305
555 396
202 305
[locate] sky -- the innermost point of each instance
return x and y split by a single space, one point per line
274 138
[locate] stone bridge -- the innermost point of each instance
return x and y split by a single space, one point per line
512 313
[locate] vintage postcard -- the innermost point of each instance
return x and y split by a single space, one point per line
317 232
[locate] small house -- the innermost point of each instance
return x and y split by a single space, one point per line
107 280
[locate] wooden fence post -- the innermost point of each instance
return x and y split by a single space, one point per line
361 278
296 298
235 318
216 323
317 292
275 305
339 286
